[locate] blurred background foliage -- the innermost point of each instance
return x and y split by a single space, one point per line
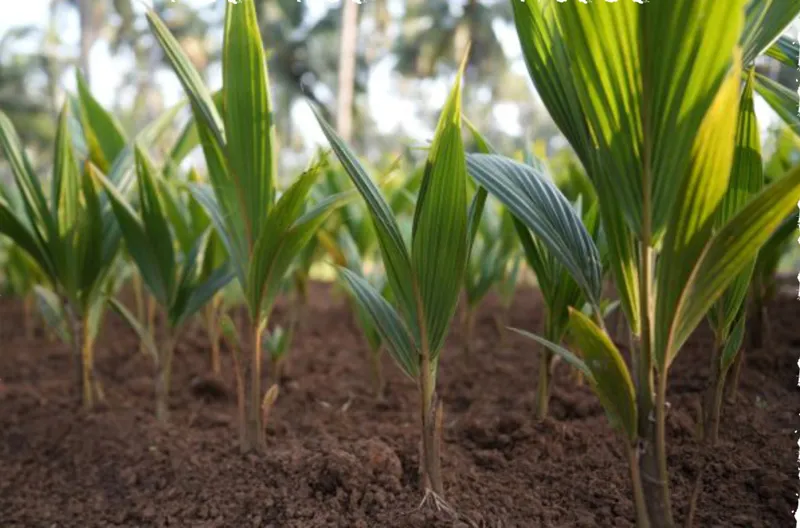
404 55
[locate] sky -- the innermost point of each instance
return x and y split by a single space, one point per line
391 112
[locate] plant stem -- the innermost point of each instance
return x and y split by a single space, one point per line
545 361
733 383
638 492
87 366
212 328
164 377
151 315
432 474
652 462
255 431
138 298
238 369
713 397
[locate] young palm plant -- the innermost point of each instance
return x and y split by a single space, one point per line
169 260
728 315
655 130
426 280
262 235
66 236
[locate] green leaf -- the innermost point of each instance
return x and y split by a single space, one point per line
296 238
141 331
138 242
396 259
17 230
439 231
203 292
65 184
785 50
204 195
248 115
784 101
52 312
104 134
286 211
747 179
734 342
765 21
386 320
728 253
202 104
156 225
571 359
693 218
610 377
27 182
536 202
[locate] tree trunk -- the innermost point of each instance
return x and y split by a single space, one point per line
347 70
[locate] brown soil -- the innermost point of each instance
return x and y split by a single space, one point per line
338 458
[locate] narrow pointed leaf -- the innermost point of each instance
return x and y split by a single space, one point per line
747 180
765 21
539 205
202 102
155 223
104 134
611 379
285 212
571 359
385 320
786 50
52 311
395 254
728 253
692 219
784 101
439 231
248 114
137 241
203 292
141 331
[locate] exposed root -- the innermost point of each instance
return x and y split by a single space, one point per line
438 503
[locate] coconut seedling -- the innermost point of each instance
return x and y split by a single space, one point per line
262 235
167 251
728 315
656 135
65 235
426 278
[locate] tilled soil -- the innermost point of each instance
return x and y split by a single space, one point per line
339 458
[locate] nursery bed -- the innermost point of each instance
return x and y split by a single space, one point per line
336 457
